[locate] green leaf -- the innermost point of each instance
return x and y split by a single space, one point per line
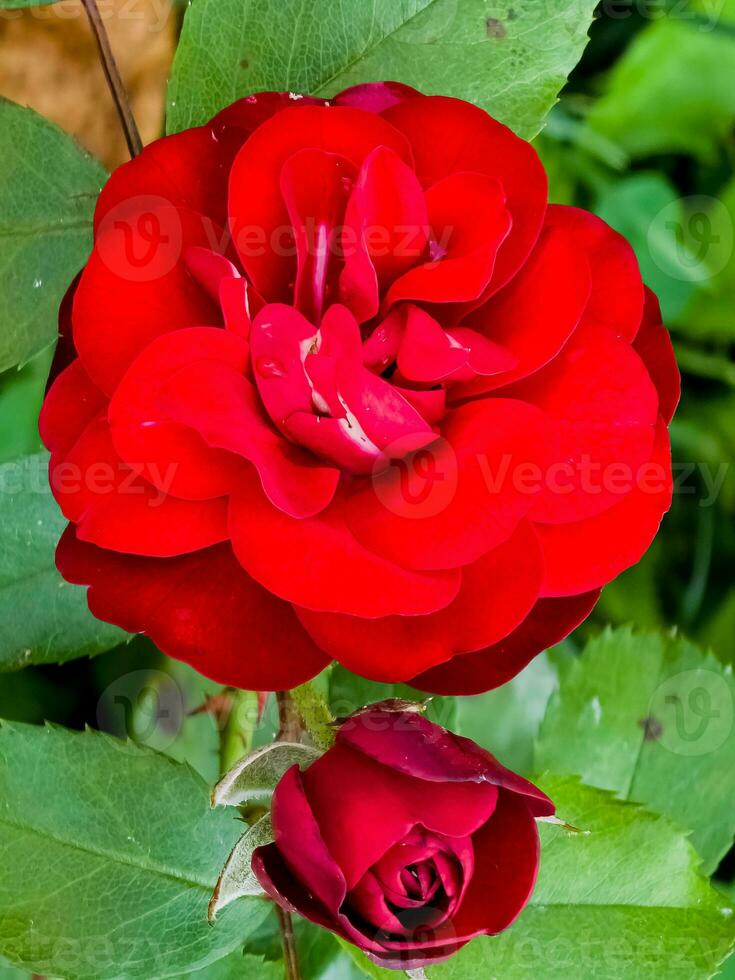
365 966
672 91
650 717
47 197
21 396
622 900
505 721
20 4
237 966
509 56
45 620
110 855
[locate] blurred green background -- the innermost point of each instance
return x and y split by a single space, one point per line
644 135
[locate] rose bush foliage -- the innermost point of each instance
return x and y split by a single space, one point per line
443 848
338 382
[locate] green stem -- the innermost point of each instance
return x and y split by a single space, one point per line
236 734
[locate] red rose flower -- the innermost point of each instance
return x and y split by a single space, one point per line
338 383
443 847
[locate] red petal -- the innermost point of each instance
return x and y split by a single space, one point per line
190 169
537 312
315 185
316 562
200 608
145 431
376 807
114 507
299 841
653 345
588 554
386 230
617 288
449 136
247 114
454 501
548 623
70 405
136 286
409 743
224 407
428 354
375 96
507 851
605 408
186 170
469 222
490 604
259 218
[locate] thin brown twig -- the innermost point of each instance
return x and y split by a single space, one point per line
290 959
114 81
290 730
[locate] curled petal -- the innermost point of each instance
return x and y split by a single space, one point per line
469 222
616 300
548 623
386 230
489 605
507 852
315 185
454 501
428 354
409 743
71 403
136 286
318 563
448 136
358 827
200 608
116 506
259 219
536 313
147 432
585 555
376 96
604 408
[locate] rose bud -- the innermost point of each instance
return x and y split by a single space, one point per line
404 839
338 383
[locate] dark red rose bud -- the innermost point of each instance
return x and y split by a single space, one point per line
337 383
404 839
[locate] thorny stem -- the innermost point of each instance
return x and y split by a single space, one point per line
290 730
114 81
